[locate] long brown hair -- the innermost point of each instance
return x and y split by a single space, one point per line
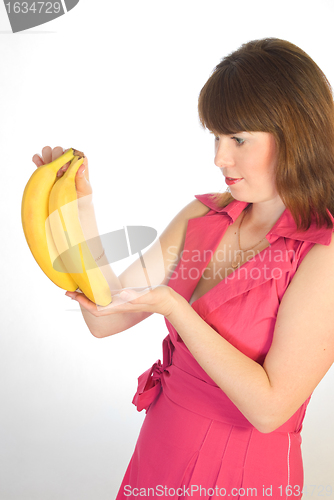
271 85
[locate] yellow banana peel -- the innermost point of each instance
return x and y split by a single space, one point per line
69 240
34 216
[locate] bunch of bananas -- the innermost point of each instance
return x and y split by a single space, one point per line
52 228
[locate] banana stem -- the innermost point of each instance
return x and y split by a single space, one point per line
78 153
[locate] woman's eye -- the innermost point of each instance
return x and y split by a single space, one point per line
239 140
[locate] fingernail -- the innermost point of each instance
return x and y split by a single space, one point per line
81 170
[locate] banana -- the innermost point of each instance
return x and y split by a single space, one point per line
70 241
34 216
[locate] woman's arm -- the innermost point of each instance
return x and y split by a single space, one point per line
102 325
301 353
160 260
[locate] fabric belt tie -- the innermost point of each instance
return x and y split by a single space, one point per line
195 394
149 382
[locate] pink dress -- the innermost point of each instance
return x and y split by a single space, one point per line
194 442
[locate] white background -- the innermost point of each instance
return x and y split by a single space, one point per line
119 81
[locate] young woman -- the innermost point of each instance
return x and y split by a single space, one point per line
247 294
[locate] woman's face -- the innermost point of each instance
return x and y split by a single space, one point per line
251 156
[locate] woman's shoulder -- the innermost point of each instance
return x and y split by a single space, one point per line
323 249
312 250
217 202
200 206
178 225
196 208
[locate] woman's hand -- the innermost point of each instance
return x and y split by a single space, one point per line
160 299
82 183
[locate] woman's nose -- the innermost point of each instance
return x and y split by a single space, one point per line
223 154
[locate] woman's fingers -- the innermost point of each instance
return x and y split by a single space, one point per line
118 304
83 300
86 303
82 184
56 152
85 162
47 154
157 299
37 160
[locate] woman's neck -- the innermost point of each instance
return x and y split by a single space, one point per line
264 214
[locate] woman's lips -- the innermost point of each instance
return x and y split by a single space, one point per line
232 180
